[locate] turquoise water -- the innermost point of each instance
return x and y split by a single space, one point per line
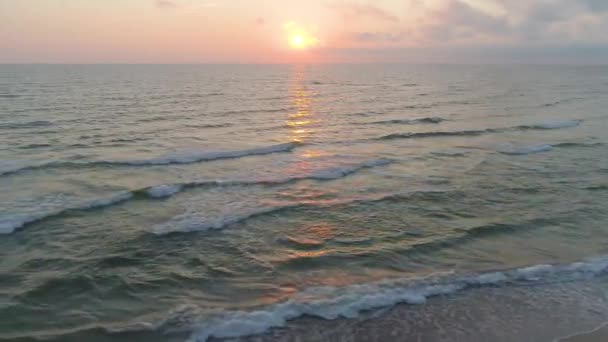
196 201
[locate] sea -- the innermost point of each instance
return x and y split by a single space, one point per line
302 202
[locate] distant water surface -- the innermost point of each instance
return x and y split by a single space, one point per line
219 201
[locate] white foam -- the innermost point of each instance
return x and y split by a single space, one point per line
529 149
186 223
104 202
333 302
491 278
339 172
9 167
197 222
165 190
194 222
14 166
194 157
558 124
8 224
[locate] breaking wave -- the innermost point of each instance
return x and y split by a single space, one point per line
176 158
428 120
544 148
540 126
329 302
9 224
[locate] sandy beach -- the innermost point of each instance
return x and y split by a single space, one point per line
543 313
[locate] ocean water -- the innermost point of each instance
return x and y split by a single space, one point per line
178 203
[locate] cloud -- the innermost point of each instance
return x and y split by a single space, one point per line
354 11
481 22
458 20
597 5
165 4
377 37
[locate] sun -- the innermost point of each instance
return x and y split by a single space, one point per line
300 37
297 41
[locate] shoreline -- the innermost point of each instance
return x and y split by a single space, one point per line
599 334
553 312
569 311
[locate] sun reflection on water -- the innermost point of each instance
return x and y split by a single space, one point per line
301 120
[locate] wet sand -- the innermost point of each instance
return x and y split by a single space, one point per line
598 335
574 311
547 312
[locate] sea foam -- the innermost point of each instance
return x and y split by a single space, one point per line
195 157
557 124
165 190
333 173
174 158
477 132
330 302
528 149
9 224
195 222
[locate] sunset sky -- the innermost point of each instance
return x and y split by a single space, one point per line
312 31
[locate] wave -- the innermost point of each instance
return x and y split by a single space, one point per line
261 110
23 125
528 150
163 191
545 147
540 126
458 237
435 134
339 172
597 187
367 113
209 125
300 242
554 125
330 303
558 102
188 222
167 190
32 146
195 157
196 222
176 158
576 144
427 120
9 224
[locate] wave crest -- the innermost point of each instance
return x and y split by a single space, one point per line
334 302
9 224
176 158
539 126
